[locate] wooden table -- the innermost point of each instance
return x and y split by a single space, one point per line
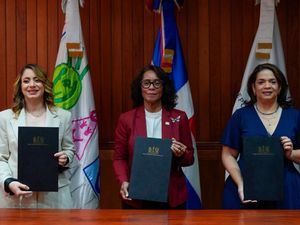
143 217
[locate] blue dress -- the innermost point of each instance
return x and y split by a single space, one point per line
246 122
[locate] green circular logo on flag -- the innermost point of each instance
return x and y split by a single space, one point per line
67 86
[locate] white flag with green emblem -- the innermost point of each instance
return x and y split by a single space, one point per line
73 91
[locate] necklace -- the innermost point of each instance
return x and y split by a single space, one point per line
37 114
270 120
266 114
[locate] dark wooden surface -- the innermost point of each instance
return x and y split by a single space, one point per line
216 37
151 217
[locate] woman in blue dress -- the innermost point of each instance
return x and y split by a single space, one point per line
267 113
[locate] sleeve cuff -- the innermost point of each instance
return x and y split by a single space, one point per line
6 185
63 168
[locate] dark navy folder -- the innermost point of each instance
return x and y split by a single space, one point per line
150 171
263 172
37 166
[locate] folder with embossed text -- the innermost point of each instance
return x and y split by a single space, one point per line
37 166
150 172
263 172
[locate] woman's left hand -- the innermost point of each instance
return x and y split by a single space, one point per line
62 158
287 146
178 148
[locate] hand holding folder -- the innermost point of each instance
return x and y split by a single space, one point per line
37 166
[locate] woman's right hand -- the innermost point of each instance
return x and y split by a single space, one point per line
19 189
229 156
241 195
124 190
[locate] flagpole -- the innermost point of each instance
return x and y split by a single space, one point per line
73 91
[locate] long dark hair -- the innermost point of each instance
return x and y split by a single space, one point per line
169 96
282 83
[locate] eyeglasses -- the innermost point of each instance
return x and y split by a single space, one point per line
147 83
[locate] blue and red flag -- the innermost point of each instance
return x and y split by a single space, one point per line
168 55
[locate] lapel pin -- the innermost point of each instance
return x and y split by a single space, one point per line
167 123
177 119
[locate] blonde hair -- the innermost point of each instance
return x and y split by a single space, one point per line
18 97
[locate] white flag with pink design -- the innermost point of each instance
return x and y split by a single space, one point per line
73 91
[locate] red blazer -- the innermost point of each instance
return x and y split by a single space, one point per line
174 125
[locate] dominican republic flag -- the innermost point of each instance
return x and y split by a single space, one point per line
73 91
168 55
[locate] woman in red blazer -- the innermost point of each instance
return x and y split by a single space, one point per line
153 115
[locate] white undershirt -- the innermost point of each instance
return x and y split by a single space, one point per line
153 124
35 121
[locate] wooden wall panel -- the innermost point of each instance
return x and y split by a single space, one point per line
216 37
105 75
225 60
42 33
117 58
127 52
214 62
237 62
21 32
292 47
94 56
203 75
31 32
3 75
150 30
109 185
193 44
11 48
53 35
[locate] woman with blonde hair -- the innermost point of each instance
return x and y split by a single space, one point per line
33 105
